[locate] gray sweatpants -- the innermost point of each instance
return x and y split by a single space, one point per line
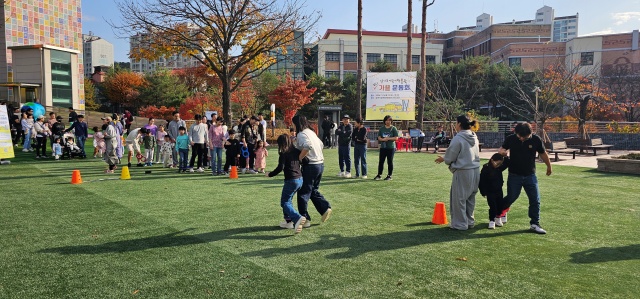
464 187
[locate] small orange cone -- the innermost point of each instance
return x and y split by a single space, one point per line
125 175
439 214
234 172
76 178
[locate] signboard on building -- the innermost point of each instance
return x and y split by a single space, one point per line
6 145
392 94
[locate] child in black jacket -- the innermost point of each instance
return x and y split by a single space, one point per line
289 162
232 147
491 182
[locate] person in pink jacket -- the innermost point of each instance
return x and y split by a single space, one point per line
217 137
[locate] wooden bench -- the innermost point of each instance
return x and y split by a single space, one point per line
596 144
578 143
561 147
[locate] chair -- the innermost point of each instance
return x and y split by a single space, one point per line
403 143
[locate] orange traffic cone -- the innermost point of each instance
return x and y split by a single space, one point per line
439 214
76 178
234 172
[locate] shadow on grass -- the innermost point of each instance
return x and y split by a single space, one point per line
596 173
359 245
168 240
606 254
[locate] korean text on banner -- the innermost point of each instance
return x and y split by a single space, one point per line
6 145
392 94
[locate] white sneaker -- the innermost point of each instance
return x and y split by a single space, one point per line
191 170
251 171
363 177
200 169
503 219
498 221
347 175
326 215
340 174
492 225
537 229
299 224
25 150
244 170
31 150
285 224
307 224
5 162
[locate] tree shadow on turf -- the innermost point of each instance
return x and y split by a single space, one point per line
606 254
358 245
173 239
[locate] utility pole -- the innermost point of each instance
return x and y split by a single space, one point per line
359 74
535 114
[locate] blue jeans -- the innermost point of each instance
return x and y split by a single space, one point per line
311 176
344 157
216 160
515 183
184 155
27 140
290 187
81 140
360 158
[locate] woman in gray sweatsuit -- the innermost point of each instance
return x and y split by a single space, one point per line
463 159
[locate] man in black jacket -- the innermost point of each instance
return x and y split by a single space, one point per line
81 132
326 131
343 133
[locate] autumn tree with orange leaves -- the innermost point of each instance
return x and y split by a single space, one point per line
290 96
235 39
198 104
123 88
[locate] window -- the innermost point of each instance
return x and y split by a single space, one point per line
391 58
350 57
540 20
61 81
332 56
373 57
329 74
540 13
449 43
515 61
415 59
586 58
431 59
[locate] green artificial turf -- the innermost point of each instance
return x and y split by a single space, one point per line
170 235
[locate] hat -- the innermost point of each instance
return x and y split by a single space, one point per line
59 117
346 116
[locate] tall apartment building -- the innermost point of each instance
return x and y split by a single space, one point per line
40 52
337 51
96 52
293 61
176 61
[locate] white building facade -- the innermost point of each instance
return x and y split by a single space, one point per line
96 52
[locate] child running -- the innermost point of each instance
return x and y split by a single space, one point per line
261 156
289 162
491 182
182 143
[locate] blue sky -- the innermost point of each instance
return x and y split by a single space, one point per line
596 17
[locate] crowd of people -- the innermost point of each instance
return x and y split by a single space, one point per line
244 145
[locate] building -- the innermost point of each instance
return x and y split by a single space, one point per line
337 51
40 52
176 61
293 60
96 52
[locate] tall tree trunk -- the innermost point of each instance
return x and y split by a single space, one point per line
226 98
423 66
359 74
409 32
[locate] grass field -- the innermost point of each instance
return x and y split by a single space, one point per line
169 235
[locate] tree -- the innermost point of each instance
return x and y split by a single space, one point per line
161 112
423 63
290 96
233 38
383 66
90 102
163 89
122 88
198 104
197 79
624 85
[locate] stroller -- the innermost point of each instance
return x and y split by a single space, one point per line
69 148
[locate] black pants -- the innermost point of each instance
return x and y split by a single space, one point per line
419 143
437 142
41 146
386 153
231 160
19 136
326 138
197 149
494 199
